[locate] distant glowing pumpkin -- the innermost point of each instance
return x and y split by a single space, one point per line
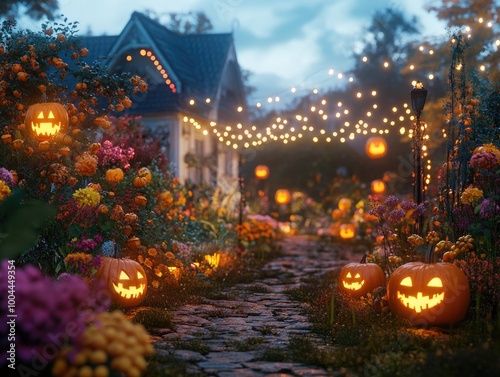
261 172
378 186
347 231
46 120
345 204
376 147
282 197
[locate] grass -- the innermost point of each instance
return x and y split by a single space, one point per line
369 342
359 339
252 343
168 366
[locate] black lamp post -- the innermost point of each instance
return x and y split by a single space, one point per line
418 96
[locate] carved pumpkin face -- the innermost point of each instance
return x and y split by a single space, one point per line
378 186
261 172
359 279
124 279
429 294
347 231
376 147
46 120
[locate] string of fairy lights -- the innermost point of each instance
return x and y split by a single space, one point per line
289 128
323 121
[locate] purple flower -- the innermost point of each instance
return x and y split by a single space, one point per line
396 216
408 204
489 209
419 211
7 177
45 309
391 201
381 210
484 160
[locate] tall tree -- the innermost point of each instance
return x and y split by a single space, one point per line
35 9
479 21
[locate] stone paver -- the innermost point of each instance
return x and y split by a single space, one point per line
269 318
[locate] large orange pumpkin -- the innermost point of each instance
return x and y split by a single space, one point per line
46 120
124 279
359 279
114 175
429 294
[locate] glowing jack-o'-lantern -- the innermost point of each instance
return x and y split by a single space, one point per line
124 279
46 120
359 279
282 197
429 294
378 186
347 231
345 204
261 172
376 147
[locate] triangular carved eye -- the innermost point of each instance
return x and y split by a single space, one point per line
124 276
407 282
357 276
51 115
348 275
435 282
40 116
139 275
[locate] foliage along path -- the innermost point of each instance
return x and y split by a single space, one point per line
235 332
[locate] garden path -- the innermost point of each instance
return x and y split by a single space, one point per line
237 331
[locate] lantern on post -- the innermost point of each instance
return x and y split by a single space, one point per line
376 147
45 120
418 96
282 197
261 172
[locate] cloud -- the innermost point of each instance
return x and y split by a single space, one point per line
288 59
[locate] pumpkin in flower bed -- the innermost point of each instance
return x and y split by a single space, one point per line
429 294
359 279
124 279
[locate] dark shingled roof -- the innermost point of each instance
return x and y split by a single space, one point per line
198 61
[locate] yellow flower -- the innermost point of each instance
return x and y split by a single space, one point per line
155 284
4 190
471 195
148 263
87 197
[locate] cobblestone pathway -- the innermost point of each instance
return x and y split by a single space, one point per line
265 315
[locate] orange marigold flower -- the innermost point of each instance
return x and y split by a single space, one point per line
86 164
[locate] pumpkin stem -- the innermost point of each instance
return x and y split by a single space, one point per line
363 260
429 255
44 97
118 251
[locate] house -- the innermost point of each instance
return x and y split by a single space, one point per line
195 87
